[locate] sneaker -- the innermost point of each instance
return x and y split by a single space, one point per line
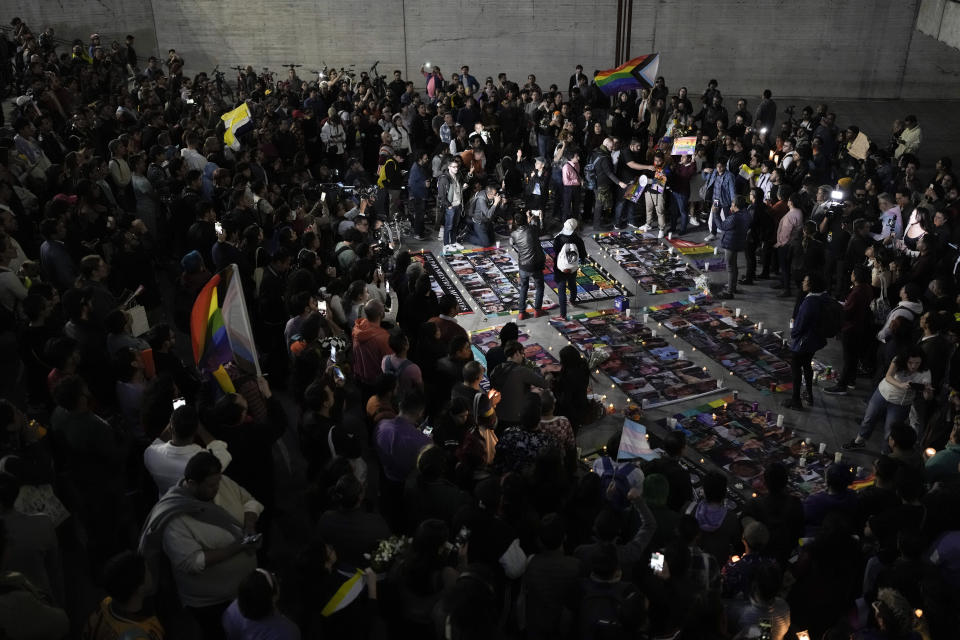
836 390
618 227
854 444
644 228
420 238
633 225
575 303
660 234
709 237
522 315
539 313
789 404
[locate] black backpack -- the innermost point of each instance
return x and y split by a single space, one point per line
590 171
832 314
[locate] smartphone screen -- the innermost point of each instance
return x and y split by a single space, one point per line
333 353
218 228
179 402
339 374
656 562
323 196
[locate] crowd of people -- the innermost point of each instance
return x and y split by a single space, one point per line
375 487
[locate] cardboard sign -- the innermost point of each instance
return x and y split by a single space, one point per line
684 146
860 146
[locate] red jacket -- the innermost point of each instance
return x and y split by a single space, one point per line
856 308
370 345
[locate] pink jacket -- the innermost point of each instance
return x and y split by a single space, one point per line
571 173
789 227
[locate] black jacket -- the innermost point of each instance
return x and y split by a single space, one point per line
526 241
605 173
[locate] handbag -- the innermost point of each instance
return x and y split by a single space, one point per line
880 306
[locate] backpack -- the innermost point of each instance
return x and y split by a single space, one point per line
590 172
382 173
615 482
604 616
568 260
832 314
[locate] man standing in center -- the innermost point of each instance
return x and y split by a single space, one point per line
734 241
525 239
788 234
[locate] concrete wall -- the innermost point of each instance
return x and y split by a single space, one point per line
858 49
112 19
941 20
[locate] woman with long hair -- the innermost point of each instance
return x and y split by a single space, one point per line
907 376
760 226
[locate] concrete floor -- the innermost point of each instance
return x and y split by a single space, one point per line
832 419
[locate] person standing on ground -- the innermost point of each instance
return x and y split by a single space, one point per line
734 241
525 239
723 185
788 232
856 322
417 182
564 241
807 337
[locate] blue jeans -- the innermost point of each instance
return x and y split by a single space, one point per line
451 218
683 205
625 212
525 287
878 408
566 281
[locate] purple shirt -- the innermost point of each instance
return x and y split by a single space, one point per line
399 442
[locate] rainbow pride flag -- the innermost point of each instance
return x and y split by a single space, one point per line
639 73
220 329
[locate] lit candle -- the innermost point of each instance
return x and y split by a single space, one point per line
670 237
716 250
653 288
737 312
770 158
498 244
802 462
838 457
823 447
628 312
714 417
719 383
704 369
930 452
646 317
780 420
759 326
680 355
791 324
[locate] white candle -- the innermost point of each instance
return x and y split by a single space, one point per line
802 462
653 288
791 324
823 447
653 333
679 355
766 331
838 457
706 265
670 237
716 250
780 420
498 244
628 312
719 383
737 312
646 318
759 326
